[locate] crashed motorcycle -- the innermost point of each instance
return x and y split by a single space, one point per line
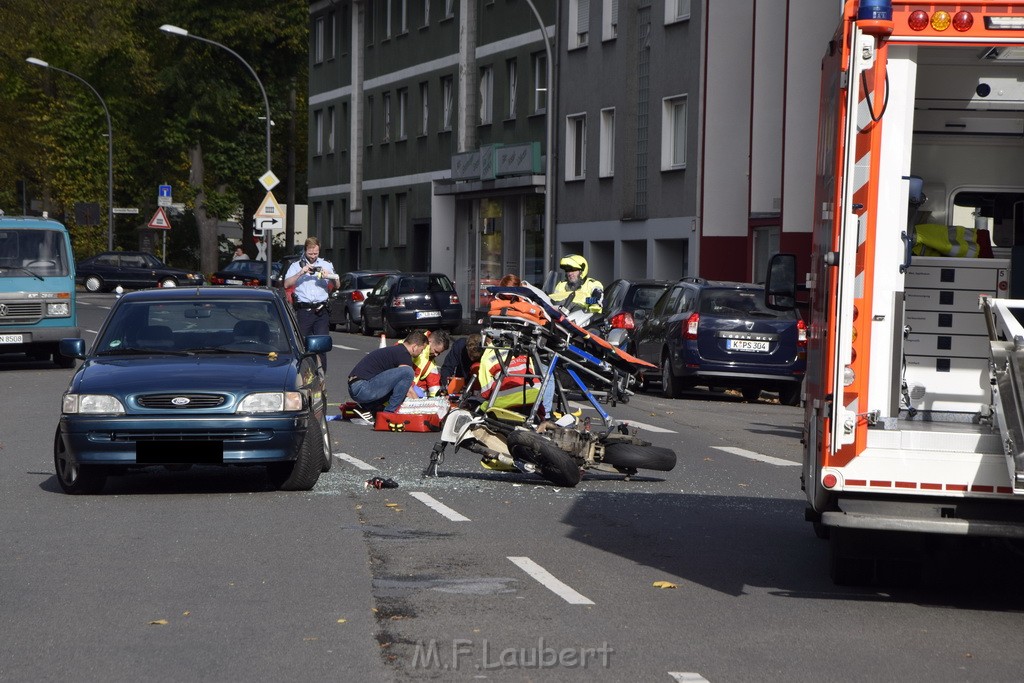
547 355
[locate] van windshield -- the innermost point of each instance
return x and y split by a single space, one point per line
40 252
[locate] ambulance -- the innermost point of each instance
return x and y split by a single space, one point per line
915 280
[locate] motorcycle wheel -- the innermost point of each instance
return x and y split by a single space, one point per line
555 465
640 456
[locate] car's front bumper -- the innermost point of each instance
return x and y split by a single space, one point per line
113 440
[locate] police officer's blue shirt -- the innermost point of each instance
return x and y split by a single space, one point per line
311 288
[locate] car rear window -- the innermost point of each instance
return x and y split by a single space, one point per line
741 303
645 296
368 281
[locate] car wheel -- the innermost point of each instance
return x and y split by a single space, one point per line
303 473
790 396
351 324
93 284
328 455
751 394
75 479
365 326
168 282
389 330
670 385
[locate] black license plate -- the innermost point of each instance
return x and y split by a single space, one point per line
179 452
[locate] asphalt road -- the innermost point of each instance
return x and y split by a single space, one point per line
207 575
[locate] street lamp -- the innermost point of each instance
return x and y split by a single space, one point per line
549 166
110 147
178 31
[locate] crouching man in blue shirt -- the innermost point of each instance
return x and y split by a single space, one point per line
384 376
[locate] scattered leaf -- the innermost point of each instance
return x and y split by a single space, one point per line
391 505
664 584
342 621
309 638
185 613
159 622
744 485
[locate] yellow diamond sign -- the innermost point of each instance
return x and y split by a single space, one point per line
268 180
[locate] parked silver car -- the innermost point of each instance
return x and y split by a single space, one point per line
347 299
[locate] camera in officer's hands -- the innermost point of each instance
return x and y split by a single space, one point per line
313 269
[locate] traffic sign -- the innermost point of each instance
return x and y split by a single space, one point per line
268 180
159 220
261 226
124 209
269 208
163 195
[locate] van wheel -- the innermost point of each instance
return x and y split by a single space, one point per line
751 394
670 385
790 396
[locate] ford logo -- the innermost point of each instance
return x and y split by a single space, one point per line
180 401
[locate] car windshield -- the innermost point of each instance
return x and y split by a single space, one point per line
38 252
740 303
194 326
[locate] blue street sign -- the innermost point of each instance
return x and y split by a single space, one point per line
165 191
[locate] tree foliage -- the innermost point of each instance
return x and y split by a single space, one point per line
169 97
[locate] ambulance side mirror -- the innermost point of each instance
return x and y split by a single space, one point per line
780 285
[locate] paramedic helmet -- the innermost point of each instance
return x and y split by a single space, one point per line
575 262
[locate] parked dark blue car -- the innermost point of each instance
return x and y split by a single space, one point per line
721 335
196 376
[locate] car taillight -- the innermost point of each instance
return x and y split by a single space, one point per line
398 302
453 299
690 326
357 296
214 280
801 334
622 321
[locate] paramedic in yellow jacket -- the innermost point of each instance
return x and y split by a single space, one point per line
578 290
426 376
518 387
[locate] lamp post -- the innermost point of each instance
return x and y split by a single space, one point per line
549 166
178 31
110 147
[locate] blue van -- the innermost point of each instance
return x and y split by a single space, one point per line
37 288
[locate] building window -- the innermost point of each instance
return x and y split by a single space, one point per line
426 13
446 102
576 147
318 131
486 94
331 37
540 83
369 14
317 218
387 19
402 217
330 225
385 221
610 19
318 40
368 221
344 123
330 130
513 76
579 22
368 123
403 110
673 133
403 16
387 117
449 9
676 10
424 108
607 169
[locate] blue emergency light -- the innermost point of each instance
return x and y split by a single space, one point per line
877 10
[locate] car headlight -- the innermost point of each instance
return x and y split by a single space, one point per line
58 309
93 404
194 276
271 402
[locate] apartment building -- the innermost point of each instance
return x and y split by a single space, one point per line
427 125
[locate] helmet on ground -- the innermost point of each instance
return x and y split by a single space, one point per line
575 262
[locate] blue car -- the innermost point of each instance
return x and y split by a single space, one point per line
722 336
196 376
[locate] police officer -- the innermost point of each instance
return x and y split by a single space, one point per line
578 290
310 277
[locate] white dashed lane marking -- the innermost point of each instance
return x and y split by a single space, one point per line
546 579
687 677
438 507
345 348
631 423
757 456
355 461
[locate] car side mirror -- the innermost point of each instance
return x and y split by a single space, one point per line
72 348
780 285
318 343
639 315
